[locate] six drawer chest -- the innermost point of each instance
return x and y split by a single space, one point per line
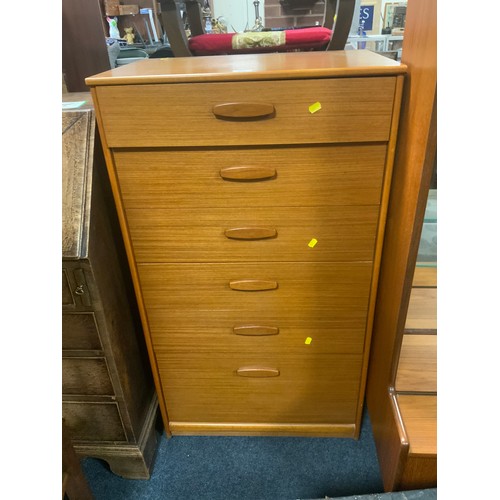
252 194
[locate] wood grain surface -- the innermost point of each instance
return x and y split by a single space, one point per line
77 154
241 67
289 339
422 310
417 369
305 176
184 180
352 110
425 277
201 388
419 414
309 295
188 235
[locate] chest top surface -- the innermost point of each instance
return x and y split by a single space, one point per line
77 146
276 66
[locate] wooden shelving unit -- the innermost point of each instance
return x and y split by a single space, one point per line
417 365
402 378
416 376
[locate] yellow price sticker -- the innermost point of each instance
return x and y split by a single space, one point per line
312 243
313 108
308 340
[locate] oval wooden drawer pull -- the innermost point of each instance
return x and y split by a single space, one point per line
255 330
245 110
247 173
253 285
257 371
251 233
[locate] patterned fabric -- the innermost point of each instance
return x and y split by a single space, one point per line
254 42
258 40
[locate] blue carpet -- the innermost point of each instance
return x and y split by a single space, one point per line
427 494
248 468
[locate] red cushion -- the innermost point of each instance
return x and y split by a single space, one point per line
299 39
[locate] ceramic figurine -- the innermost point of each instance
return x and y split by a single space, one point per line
113 27
129 36
219 25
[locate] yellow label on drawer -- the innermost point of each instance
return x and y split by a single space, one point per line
314 107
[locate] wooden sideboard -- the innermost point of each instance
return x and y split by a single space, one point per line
109 403
252 194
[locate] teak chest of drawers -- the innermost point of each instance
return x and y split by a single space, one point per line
254 225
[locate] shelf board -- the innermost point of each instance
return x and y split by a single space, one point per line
425 277
419 415
422 310
417 368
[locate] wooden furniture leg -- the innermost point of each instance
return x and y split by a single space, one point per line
74 484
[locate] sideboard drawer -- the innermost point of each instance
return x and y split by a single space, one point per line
318 234
314 389
79 331
271 336
93 422
352 110
75 290
275 176
86 376
311 295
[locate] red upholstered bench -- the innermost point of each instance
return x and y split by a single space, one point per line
316 38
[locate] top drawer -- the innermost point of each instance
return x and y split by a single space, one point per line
352 110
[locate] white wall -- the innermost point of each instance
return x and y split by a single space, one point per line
239 14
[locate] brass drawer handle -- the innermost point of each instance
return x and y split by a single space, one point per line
81 289
243 110
257 371
251 233
253 285
247 173
255 330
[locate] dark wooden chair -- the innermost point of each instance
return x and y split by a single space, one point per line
332 35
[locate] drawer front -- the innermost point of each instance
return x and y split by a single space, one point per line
79 331
268 337
75 289
278 177
352 110
93 422
260 387
86 376
312 295
255 234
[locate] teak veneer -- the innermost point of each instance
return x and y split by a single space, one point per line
425 277
417 368
422 310
398 428
254 230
